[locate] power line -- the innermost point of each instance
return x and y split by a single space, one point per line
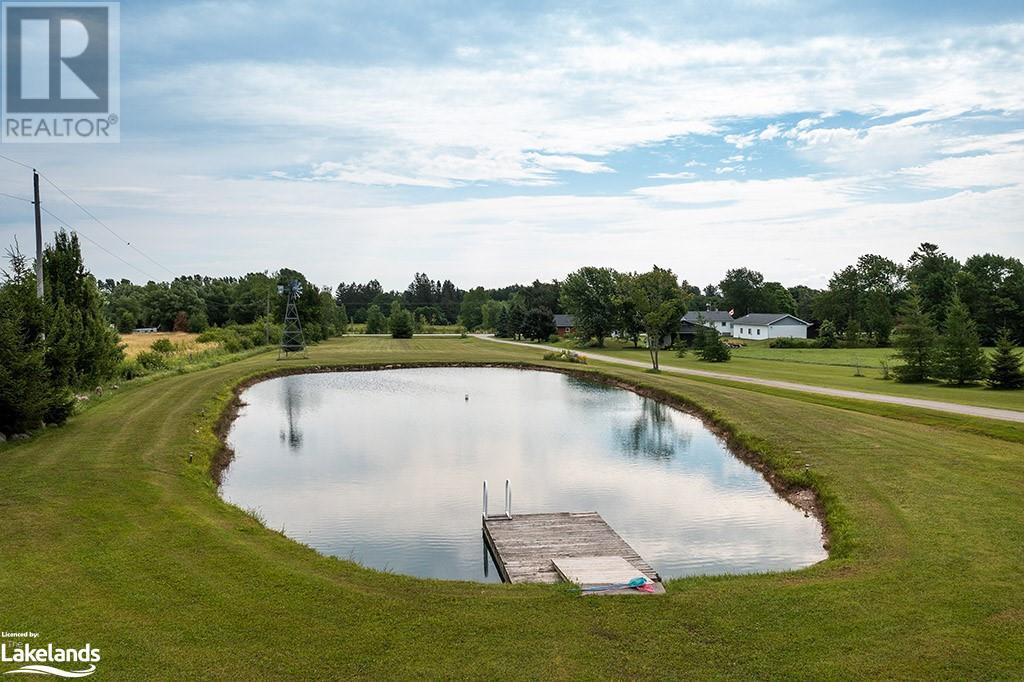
23 165
105 226
99 246
12 196
93 217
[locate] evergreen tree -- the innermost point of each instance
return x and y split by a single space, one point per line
712 348
82 324
400 321
961 359
375 322
342 320
914 342
62 345
28 394
516 316
1006 370
502 326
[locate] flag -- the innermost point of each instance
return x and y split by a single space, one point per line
732 311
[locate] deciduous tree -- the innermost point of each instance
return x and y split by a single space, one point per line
660 304
589 295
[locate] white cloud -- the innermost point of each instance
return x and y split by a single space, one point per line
562 162
682 175
876 148
598 94
741 141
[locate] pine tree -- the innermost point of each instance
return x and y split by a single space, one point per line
400 321
62 345
1006 370
516 317
961 359
375 322
712 348
914 342
343 321
96 351
28 394
502 326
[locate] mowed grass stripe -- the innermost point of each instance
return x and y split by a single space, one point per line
134 552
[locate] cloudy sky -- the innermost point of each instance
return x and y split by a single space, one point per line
493 143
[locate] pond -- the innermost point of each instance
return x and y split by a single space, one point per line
386 467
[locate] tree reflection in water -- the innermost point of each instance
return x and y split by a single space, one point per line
293 406
653 434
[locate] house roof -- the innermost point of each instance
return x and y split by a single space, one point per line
708 315
767 319
563 320
687 327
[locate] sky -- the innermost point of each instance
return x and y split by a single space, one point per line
492 143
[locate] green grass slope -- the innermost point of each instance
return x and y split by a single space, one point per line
829 367
109 535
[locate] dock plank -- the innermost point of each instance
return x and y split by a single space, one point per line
524 546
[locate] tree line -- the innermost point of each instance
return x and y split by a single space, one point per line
862 301
195 303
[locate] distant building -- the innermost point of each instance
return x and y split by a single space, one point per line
563 324
687 332
757 326
719 320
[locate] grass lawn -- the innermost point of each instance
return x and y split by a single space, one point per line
110 536
834 368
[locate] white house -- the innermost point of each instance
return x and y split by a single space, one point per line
719 320
769 326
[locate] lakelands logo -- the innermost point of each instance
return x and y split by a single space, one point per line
61 72
36 659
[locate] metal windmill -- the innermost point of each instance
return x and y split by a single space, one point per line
292 340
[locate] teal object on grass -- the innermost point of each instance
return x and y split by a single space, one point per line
634 583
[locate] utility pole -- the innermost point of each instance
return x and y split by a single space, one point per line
266 322
39 235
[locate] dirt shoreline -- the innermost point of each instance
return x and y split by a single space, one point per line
804 498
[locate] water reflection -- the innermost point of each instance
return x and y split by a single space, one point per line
385 468
292 398
653 434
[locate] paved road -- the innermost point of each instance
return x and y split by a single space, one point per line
956 408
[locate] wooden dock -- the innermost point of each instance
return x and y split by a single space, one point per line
524 546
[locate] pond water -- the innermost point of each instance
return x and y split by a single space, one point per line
386 468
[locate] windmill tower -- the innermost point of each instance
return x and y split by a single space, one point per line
292 340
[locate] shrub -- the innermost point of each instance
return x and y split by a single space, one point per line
792 343
827 334
162 346
238 337
151 361
714 350
566 356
